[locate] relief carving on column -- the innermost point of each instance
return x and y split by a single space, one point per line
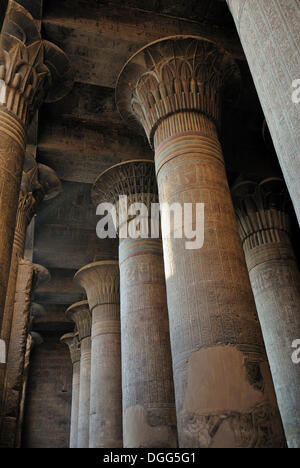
174 75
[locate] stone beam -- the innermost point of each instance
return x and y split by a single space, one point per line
78 153
90 37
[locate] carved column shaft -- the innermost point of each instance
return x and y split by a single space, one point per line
12 147
71 340
262 211
148 391
102 284
80 314
223 387
269 32
149 418
33 339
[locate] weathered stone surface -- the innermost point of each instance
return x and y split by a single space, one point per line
33 339
71 340
16 354
80 314
149 418
102 284
270 37
263 215
213 321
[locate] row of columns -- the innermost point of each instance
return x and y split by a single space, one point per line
172 89
224 392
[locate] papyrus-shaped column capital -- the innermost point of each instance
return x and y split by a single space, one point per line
174 75
72 341
262 209
101 282
134 179
81 315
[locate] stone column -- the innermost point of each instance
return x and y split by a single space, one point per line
9 402
262 211
31 70
223 387
71 340
33 339
102 284
149 415
29 277
269 32
81 315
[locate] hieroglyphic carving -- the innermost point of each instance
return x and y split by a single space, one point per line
257 428
147 382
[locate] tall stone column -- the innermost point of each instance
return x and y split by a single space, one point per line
262 211
29 277
81 315
71 340
223 387
149 416
102 285
269 32
31 71
33 339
